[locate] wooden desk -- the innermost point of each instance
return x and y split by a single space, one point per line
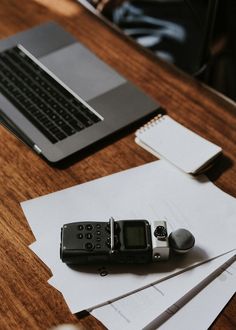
27 301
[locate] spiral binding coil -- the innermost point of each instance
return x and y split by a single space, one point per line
151 123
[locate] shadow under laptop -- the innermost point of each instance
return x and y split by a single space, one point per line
103 143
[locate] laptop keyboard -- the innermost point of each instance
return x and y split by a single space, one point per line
41 97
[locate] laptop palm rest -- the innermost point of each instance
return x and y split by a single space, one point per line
82 71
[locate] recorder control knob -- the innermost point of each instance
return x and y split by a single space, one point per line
181 240
160 232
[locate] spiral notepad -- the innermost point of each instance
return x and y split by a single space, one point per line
166 138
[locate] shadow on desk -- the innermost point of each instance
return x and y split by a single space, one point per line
95 147
223 164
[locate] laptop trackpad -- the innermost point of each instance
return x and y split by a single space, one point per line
82 71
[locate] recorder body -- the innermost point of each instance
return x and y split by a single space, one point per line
122 242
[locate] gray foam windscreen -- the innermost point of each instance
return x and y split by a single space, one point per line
181 240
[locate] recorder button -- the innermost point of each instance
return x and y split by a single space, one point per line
89 236
108 241
89 227
80 236
80 227
116 242
89 246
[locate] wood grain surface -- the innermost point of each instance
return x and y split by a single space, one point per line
27 301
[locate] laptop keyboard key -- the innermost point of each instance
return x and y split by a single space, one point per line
40 97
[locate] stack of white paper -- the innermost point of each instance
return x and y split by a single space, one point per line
179 300
153 191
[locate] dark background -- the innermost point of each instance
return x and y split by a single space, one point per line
209 47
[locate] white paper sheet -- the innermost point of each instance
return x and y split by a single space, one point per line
153 191
86 282
195 315
149 307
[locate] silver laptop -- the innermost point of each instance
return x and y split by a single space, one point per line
60 98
